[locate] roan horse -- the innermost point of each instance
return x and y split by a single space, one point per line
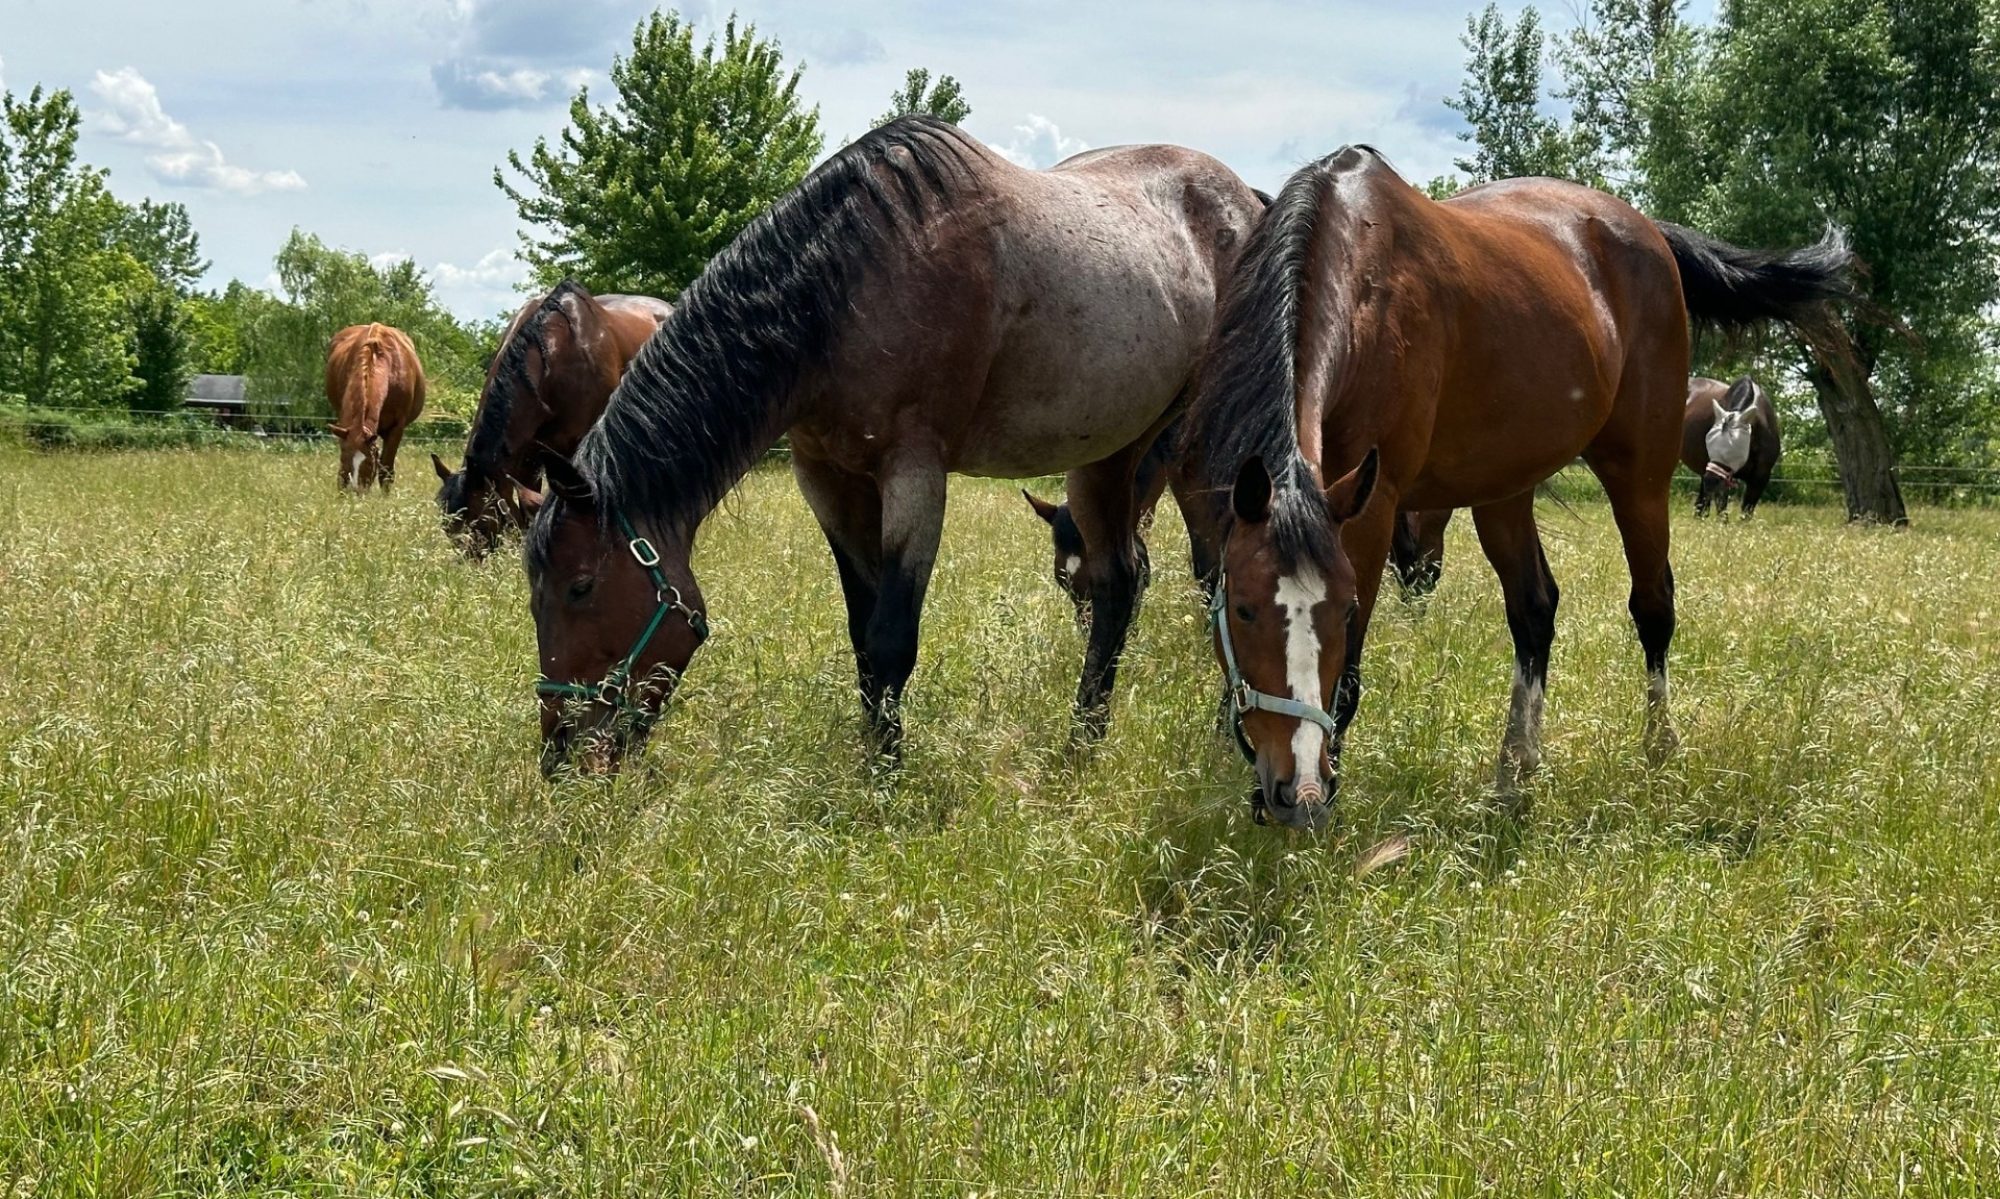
1729 438
375 386
917 307
1378 349
554 372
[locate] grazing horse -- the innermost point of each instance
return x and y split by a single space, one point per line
1416 550
1149 482
375 386
1376 350
1729 438
916 307
554 372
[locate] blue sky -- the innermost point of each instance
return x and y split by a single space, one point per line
377 123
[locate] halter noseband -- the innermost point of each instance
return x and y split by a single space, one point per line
615 690
1244 698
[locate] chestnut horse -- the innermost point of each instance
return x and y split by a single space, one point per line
1378 350
1729 439
918 307
548 383
375 386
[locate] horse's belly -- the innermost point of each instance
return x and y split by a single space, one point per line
1090 365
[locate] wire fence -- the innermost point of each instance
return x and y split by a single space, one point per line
128 429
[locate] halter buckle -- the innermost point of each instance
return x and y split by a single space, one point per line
643 550
1241 697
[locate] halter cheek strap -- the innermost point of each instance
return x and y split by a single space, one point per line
616 688
1243 698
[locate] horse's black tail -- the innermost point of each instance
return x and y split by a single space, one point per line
1731 287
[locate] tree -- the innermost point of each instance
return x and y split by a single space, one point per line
1500 99
641 195
161 349
1878 116
162 238
945 100
62 277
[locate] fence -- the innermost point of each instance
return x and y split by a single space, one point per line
137 429
126 429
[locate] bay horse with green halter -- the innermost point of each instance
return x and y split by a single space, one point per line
918 307
1378 349
562 355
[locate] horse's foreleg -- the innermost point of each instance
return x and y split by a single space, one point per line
912 496
849 511
1508 535
1366 539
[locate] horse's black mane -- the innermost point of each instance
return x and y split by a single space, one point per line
1246 404
486 447
713 389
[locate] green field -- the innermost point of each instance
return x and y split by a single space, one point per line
287 909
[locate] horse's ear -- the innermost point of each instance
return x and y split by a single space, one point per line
444 472
336 428
1042 507
1742 394
564 479
1251 497
1349 493
530 501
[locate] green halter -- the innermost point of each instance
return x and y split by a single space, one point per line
1243 697
615 690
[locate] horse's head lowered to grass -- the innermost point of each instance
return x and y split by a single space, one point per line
618 617
1281 617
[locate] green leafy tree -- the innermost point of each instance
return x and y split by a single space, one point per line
162 238
63 281
640 195
1501 97
161 348
1878 116
944 100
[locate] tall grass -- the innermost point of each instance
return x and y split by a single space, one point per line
286 909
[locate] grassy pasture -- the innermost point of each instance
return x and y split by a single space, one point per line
285 908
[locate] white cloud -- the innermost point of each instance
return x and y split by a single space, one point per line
1038 143
500 268
479 83
389 258
133 114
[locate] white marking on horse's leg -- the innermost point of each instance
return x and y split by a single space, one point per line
1298 595
1661 739
1521 748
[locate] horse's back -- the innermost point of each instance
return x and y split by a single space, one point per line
1105 272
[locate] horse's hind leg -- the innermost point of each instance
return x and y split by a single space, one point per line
1639 505
1102 502
912 491
391 442
1513 545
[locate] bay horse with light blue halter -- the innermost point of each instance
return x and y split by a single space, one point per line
918 307
1377 349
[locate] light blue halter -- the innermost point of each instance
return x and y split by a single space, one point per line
1243 698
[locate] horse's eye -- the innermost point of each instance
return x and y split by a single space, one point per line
1245 613
581 587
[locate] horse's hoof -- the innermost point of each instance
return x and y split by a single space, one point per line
1662 743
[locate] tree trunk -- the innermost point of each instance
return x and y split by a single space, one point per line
1860 438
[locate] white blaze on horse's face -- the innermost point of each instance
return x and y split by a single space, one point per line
1071 566
1298 595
